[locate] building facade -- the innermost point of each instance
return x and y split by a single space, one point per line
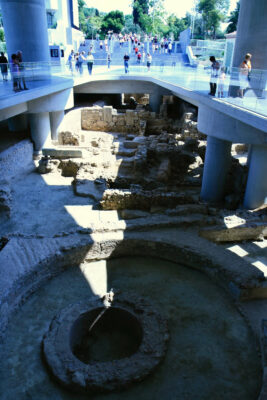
63 28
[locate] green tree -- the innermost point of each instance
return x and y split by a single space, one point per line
82 19
113 21
140 8
157 14
93 26
2 35
177 25
129 25
213 12
233 19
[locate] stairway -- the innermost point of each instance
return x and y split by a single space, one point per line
118 53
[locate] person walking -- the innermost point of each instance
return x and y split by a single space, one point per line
215 67
126 59
3 65
139 56
90 62
166 47
70 61
148 61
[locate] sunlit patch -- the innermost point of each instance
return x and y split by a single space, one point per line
261 244
262 266
84 216
56 180
238 250
96 275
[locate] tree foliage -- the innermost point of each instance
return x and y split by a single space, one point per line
82 19
149 15
233 19
90 19
177 25
2 35
140 8
213 12
129 25
113 21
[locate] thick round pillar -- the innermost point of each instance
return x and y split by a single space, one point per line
18 123
256 190
25 26
217 162
252 33
40 130
56 117
252 38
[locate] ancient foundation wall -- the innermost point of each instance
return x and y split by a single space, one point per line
17 159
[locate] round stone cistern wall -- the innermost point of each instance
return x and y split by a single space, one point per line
211 351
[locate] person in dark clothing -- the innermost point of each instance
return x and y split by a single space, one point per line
3 66
126 59
215 67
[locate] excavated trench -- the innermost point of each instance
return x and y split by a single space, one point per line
172 332
210 353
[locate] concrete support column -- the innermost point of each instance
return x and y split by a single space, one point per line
18 123
217 162
25 26
249 155
252 33
40 130
256 190
56 117
155 100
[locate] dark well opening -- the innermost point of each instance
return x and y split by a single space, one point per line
117 334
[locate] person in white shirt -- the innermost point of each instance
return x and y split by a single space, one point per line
148 61
90 62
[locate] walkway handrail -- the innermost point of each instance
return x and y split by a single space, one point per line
231 85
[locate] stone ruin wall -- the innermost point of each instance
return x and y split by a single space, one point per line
107 119
139 122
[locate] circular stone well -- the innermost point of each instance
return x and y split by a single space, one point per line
211 352
125 345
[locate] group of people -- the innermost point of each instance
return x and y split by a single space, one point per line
161 46
16 69
77 60
126 59
218 76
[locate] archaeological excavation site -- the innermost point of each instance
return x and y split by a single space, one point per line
120 277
